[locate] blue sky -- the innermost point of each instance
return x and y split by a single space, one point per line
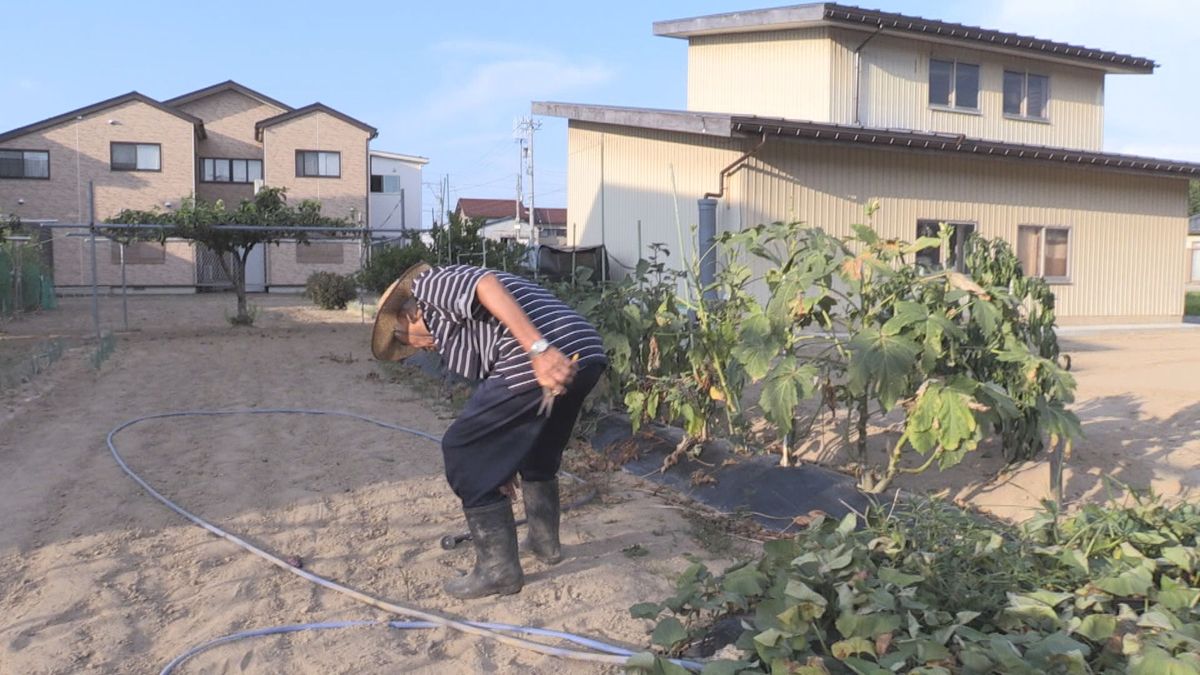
446 80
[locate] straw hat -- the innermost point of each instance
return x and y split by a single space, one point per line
384 344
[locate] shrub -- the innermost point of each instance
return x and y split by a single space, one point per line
330 290
1191 304
389 262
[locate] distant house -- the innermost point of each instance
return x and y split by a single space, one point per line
811 112
502 222
1193 251
219 142
395 200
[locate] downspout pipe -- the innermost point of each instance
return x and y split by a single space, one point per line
858 72
706 230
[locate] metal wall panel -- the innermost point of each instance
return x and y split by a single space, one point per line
1126 261
895 94
776 73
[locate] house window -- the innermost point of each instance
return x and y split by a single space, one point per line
1045 251
217 170
932 257
1026 95
139 253
24 164
318 164
320 253
1196 264
136 156
953 84
385 184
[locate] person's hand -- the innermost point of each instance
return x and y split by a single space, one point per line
509 489
553 370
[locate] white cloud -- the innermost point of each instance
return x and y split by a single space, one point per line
515 81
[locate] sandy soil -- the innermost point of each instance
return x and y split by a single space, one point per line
96 576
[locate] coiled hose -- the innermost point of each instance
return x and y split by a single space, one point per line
611 654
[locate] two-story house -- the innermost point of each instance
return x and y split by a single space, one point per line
811 112
219 142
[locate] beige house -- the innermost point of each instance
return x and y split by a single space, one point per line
811 112
220 142
1193 253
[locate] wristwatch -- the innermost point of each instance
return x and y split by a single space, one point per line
538 347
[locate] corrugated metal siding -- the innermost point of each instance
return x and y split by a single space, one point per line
777 73
895 94
1125 256
1125 229
618 179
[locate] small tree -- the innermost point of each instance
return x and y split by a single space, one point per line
198 221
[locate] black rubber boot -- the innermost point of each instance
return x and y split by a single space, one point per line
542 511
497 568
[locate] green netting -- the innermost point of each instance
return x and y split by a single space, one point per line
25 283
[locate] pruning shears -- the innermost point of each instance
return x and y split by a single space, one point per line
546 407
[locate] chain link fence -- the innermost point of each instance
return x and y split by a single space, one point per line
26 281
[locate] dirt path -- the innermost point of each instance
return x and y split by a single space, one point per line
96 576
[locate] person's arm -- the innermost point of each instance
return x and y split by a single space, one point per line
553 370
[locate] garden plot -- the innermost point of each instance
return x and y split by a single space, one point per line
96 576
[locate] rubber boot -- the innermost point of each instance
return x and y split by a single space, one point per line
542 511
497 569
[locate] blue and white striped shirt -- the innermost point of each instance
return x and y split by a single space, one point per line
475 345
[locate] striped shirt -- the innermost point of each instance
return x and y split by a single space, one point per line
475 345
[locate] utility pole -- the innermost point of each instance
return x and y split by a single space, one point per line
528 125
520 196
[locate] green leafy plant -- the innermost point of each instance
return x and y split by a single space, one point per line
388 262
927 588
330 290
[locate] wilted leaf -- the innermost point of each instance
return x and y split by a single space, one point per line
851 646
886 360
757 345
1097 627
1131 583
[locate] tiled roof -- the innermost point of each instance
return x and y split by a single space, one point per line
103 105
492 209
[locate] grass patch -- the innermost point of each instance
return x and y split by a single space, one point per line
1191 304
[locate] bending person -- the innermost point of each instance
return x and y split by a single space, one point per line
536 360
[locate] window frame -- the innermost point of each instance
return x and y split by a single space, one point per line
1194 261
1024 115
959 243
952 104
23 175
300 164
229 164
112 164
382 177
1056 280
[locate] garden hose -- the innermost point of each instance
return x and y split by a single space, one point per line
602 654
